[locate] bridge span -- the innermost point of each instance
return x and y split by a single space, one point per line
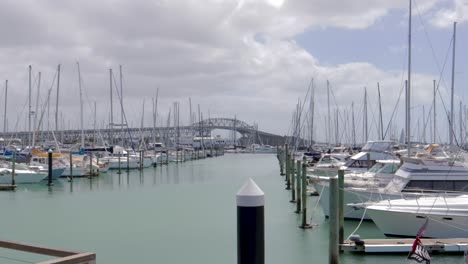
169 135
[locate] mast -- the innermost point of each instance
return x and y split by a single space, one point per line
29 113
424 125
336 128
37 106
380 114
408 86
111 124
81 105
329 116
5 112
312 105
354 128
155 117
453 83
366 135
461 125
406 112
121 106
94 132
57 100
435 113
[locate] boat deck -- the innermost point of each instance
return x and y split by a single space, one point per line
404 245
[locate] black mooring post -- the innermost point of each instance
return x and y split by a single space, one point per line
250 224
49 182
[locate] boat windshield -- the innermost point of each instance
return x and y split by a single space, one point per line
377 146
397 184
376 167
327 160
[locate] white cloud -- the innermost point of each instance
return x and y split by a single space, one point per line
445 17
231 57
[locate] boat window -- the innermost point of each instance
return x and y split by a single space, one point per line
437 185
444 185
461 186
419 185
390 168
359 163
376 167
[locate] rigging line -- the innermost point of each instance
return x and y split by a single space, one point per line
123 112
299 113
430 43
44 106
17 121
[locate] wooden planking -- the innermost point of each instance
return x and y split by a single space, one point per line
36 249
82 258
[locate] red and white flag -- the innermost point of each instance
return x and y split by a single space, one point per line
418 251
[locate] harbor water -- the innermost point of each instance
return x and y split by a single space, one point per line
181 213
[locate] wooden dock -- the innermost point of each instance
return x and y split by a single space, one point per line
7 187
452 245
64 256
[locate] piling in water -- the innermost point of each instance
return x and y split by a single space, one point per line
298 187
341 206
285 156
90 165
333 222
291 171
304 194
250 224
120 164
71 166
13 169
128 162
293 182
49 181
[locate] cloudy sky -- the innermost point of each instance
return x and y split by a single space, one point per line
252 59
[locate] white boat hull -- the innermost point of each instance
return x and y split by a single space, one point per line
22 177
406 224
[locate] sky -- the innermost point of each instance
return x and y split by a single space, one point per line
249 59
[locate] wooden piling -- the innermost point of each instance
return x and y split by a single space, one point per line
71 166
120 163
298 187
291 171
13 169
293 181
333 247
49 178
128 161
285 157
90 165
341 206
304 194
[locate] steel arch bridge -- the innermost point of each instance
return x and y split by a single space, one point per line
250 134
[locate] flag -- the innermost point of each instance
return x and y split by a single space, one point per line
418 251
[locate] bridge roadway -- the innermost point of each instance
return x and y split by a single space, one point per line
250 134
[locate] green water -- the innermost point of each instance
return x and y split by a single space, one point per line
181 213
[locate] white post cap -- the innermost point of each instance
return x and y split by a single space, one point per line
250 195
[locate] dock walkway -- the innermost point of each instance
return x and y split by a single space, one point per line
404 245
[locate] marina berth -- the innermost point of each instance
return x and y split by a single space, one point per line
446 216
433 172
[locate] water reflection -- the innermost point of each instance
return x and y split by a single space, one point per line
191 172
